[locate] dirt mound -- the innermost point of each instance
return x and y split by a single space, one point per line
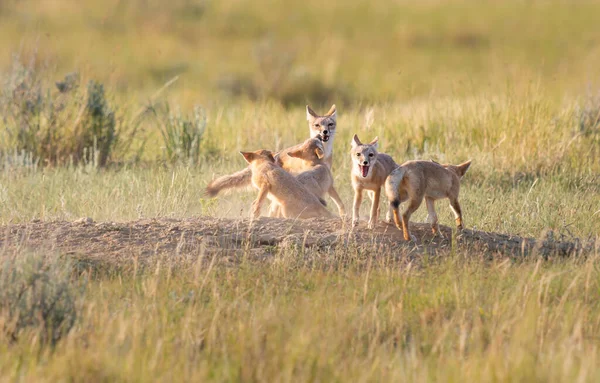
110 241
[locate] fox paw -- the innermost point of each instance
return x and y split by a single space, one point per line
438 234
371 225
355 222
412 238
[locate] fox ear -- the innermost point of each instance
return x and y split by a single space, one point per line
248 156
374 142
320 153
310 114
355 141
295 154
270 156
331 112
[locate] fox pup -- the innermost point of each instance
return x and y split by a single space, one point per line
319 126
272 181
319 179
323 127
415 180
369 171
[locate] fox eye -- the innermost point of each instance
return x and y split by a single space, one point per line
316 125
370 154
357 154
330 124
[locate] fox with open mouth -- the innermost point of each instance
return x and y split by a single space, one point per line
369 172
323 128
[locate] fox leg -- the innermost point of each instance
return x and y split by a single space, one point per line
260 199
374 208
358 195
395 209
432 216
337 200
413 205
274 210
389 215
455 206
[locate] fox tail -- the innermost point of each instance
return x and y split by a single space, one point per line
240 179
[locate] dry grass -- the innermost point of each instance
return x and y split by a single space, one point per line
319 317
511 85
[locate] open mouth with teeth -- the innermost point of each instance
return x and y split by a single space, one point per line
324 137
364 170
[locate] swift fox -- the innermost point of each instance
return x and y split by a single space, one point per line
280 186
415 180
369 171
319 126
318 179
324 128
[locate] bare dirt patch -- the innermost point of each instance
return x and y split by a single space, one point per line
126 241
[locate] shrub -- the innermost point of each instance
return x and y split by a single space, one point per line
99 125
181 134
588 127
36 294
67 125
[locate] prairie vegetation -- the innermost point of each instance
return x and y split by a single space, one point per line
124 111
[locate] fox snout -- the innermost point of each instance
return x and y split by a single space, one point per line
324 135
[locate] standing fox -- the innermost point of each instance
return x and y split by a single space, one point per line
272 181
319 126
415 180
318 179
369 171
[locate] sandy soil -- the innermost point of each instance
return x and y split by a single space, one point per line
125 241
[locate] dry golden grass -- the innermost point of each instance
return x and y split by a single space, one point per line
511 85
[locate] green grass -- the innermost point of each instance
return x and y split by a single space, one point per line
358 50
528 208
533 167
511 85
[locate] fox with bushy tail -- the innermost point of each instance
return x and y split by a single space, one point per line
323 127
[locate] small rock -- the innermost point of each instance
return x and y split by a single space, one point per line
84 221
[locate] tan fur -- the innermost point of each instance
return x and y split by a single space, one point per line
414 181
300 162
236 180
323 127
272 181
379 167
317 126
318 179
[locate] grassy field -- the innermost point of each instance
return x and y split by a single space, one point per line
328 317
511 85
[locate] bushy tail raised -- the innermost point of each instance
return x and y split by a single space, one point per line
462 168
240 179
392 185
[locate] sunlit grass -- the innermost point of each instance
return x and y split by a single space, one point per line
359 50
454 319
511 85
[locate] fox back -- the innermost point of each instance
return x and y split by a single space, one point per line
317 176
295 199
302 157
